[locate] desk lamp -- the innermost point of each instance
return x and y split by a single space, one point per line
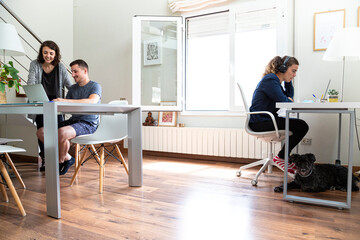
344 45
10 44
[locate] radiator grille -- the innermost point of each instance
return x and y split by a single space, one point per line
223 142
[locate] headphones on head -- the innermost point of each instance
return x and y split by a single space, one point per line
283 68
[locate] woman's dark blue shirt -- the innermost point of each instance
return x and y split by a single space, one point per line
267 93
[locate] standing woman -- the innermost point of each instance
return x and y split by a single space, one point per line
52 74
267 93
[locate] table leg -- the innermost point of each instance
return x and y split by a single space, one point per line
351 142
135 148
286 152
338 161
52 160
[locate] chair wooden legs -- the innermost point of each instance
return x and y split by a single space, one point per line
101 173
77 148
12 188
14 170
122 159
79 164
3 191
100 158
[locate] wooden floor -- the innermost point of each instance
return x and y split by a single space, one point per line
180 199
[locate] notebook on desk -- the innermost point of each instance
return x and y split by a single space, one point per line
36 93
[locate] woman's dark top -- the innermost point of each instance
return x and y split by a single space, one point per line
50 81
267 93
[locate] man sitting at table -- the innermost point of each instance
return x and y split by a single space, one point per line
84 91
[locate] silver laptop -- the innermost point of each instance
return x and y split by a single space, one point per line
327 87
36 93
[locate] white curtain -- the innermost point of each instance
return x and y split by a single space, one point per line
191 5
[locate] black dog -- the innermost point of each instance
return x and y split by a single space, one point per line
317 178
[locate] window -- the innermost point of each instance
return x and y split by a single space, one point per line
215 46
207 65
255 45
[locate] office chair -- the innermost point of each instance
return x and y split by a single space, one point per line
269 137
111 130
5 149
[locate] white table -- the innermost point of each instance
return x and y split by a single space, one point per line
337 108
50 111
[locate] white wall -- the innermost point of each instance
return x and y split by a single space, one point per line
314 74
103 38
49 20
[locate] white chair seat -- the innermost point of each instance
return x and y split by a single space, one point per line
10 149
95 139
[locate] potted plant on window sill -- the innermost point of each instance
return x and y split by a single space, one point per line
333 95
9 77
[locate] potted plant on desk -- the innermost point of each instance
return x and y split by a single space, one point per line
333 95
9 77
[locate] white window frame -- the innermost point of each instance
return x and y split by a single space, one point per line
136 61
283 28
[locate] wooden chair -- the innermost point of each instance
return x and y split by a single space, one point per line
5 149
111 130
4 141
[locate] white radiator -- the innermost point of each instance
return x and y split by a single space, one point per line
223 142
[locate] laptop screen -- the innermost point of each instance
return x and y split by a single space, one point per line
36 93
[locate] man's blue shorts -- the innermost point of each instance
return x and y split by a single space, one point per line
81 127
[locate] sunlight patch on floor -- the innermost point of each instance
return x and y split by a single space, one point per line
210 216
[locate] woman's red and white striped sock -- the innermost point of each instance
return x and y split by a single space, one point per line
280 163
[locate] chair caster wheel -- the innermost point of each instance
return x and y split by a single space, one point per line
238 173
253 182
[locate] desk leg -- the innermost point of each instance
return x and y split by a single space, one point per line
339 141
52 160
351 143
135 148
286 152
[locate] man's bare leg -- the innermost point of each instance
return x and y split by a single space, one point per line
65 134
64 141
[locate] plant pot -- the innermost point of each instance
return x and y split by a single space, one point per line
333 98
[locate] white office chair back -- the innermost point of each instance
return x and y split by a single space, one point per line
246 106
268 136
243 98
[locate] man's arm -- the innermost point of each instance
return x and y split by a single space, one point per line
93 98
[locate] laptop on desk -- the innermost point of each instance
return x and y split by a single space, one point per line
36 93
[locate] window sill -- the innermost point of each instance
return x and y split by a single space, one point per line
213 113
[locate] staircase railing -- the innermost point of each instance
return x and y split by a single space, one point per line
17 18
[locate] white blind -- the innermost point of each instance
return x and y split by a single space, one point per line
208 25
256 20
191 5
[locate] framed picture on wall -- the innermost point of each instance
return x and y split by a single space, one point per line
152 51
325 25
167 119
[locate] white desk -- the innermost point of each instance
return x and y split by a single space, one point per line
50 111
338 108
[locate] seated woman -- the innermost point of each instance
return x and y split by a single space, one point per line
267 93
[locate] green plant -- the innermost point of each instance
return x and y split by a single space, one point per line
8 76
333 92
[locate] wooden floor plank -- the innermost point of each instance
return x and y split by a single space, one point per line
180 199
